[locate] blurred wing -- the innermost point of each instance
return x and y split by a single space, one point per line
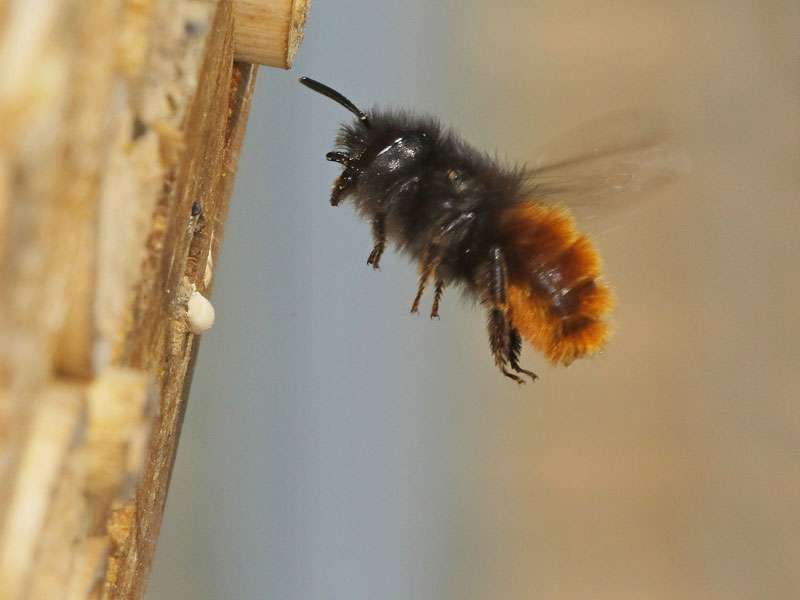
607 165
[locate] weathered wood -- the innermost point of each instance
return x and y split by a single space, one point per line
122 122
160 334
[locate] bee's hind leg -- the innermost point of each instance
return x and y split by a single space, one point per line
504 340
498 341
514 349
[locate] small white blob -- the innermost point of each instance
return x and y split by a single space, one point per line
200 313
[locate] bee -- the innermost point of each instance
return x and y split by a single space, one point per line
499 233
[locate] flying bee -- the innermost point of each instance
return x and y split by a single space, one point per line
498 233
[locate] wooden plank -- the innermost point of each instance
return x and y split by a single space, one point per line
120 165
212 135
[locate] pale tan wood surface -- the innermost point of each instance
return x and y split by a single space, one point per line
121 124
269 32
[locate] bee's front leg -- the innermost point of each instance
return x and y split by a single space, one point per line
339 157
379 236
347 177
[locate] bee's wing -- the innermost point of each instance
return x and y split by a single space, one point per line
607 165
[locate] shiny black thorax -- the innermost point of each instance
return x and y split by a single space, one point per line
424 186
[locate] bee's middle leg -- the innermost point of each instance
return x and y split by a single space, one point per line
451 230
437 298
428 265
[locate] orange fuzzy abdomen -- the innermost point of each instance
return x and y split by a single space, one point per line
556 300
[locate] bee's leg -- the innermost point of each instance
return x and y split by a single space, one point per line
437 297
379 235
428 266
514 349
498 341
339 157
346 179
400 191
343 183
451 231
503 338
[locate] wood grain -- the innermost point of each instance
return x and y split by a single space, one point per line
269 32
122 126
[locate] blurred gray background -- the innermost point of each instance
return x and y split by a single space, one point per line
336 447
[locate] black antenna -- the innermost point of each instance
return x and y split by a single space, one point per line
323 89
